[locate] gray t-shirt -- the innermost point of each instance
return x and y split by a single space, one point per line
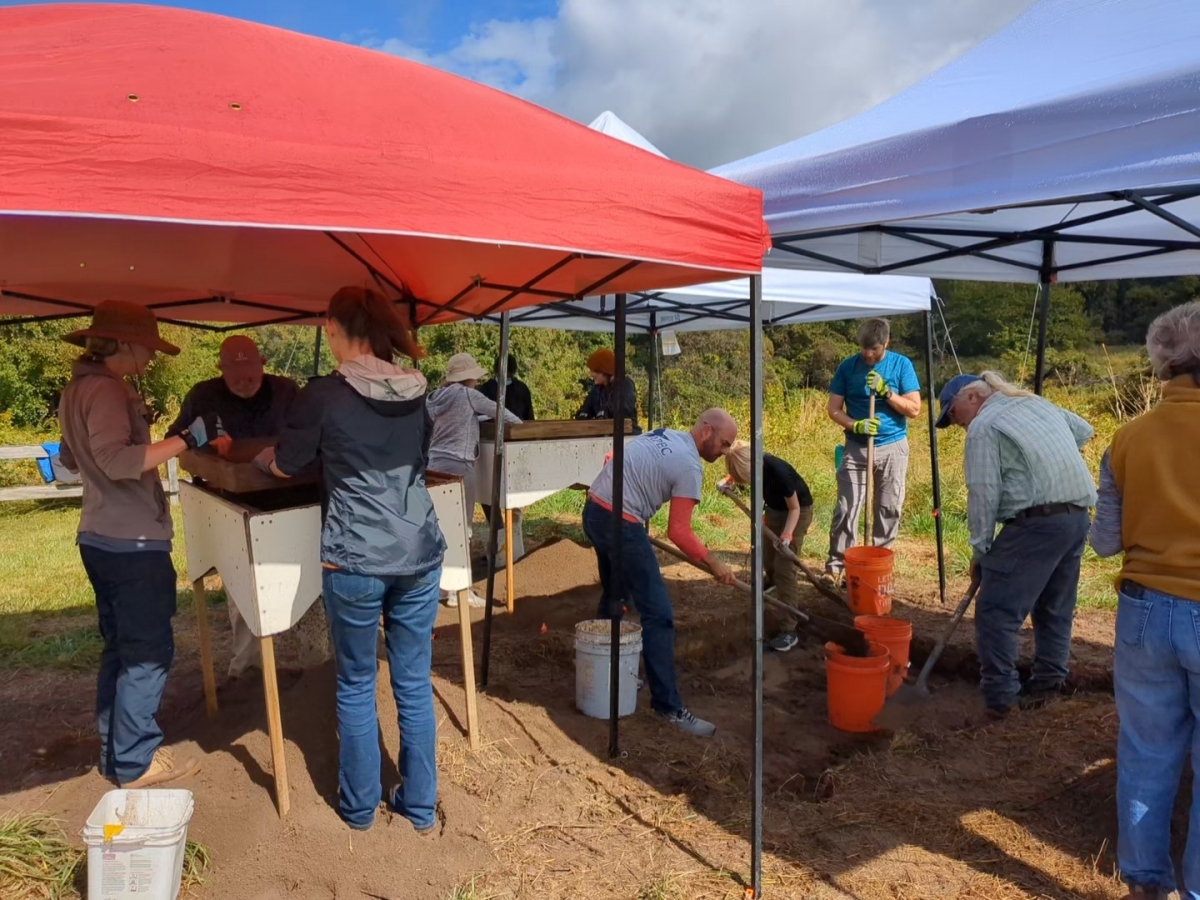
659 465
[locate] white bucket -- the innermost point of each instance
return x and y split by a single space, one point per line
593 669
142 857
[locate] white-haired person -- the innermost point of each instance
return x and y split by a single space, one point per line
1024 472
1147 509
788 513
456 408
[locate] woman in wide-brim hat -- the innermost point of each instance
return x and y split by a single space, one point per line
125 536
455 408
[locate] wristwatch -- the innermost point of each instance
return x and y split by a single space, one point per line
888 395
189 439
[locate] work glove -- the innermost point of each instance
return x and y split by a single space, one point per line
196 434
878 384
263 461
866 426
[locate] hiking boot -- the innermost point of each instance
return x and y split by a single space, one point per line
685 721
1150 892
394 807
164 767
831 579
997 713
784 642
1037 697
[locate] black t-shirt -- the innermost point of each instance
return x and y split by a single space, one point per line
262 415
781 481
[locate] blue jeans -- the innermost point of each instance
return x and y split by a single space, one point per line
1156 680
1032 570
408 604
641 582
135 600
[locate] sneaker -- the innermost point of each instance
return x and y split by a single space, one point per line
473 600
784 642
685 721
831 579
164 767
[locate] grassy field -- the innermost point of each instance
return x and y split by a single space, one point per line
46 607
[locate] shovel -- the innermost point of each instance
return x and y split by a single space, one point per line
851 639
904 705
786 552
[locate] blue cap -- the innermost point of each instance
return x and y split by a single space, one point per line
949 391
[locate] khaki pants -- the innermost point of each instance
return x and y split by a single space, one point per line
779 568
246 651
891 471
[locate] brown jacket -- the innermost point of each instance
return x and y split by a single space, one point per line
105 430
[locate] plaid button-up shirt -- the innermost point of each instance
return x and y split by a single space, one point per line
1022 452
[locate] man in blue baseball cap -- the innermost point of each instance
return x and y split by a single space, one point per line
1024 472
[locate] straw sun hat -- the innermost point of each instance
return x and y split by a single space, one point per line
126 323
462 367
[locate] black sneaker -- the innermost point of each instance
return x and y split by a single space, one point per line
685 721
784 642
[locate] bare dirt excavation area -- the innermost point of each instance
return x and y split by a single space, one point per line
951 807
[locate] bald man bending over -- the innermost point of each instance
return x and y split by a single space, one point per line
660 466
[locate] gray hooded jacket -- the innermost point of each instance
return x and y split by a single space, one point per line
367 426
456 410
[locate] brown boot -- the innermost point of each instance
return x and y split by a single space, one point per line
164 768
1149 892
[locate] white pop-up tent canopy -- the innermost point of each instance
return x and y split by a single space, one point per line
1062 148
789 297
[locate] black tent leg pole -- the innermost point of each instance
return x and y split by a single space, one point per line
756 571
317 354
933 457
494 518
617 595
1039 376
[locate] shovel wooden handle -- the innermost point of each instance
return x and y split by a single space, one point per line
786 551
850 638
869 501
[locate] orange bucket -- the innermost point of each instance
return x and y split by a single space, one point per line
869 580
896 635
856 686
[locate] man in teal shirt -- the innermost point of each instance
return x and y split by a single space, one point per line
891 378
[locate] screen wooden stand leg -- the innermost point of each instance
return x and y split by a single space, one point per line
510 590
468 657
275 725
206 658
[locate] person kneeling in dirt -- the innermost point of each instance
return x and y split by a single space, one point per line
788 514
125 536
1147 509
1023 470
243 403
660 466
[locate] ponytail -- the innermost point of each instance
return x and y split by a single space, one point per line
364 314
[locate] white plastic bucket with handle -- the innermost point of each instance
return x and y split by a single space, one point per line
593 643
136 842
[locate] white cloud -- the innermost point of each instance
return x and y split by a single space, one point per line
710 81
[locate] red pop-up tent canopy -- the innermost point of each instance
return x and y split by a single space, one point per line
220 170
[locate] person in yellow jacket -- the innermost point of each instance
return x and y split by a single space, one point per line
1149 509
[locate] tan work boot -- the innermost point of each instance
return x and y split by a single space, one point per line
1150 892
164 768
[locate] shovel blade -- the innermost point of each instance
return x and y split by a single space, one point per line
902 708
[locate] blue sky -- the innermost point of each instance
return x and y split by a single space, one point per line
707 81
432 25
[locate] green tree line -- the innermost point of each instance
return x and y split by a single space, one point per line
979 321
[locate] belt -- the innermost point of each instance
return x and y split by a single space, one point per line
1044 512
1132 589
